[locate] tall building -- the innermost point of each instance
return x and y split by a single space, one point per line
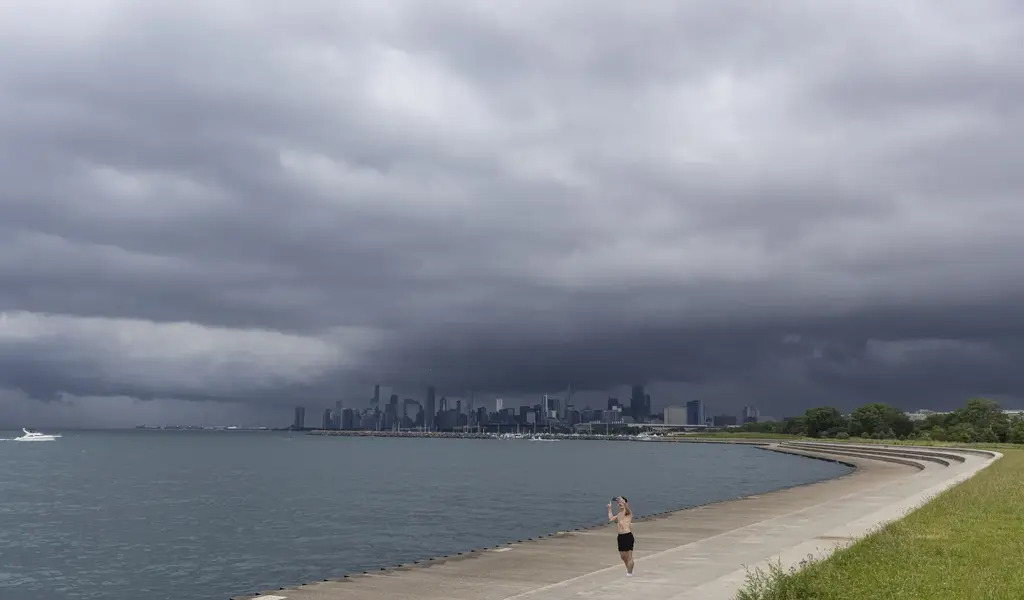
612 403
300 417
348 419
637 401
337 414
405 408
498 405
430 410
328 422
552 408
695 413
750 414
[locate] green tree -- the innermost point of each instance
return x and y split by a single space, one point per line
795 426
1015 430
822 419
879 418
867 419
982 415
962 432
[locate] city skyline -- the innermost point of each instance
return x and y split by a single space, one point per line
550 411
214 215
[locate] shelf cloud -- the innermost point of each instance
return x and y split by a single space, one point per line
258 206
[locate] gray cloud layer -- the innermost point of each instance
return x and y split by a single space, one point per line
772 205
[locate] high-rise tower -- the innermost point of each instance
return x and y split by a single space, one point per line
430 410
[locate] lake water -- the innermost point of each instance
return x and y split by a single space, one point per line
207 515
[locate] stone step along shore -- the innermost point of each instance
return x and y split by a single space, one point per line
700 553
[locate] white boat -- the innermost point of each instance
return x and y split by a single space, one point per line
537 438
35 436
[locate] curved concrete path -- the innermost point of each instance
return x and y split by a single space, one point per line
697 553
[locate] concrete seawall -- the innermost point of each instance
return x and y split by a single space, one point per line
696 553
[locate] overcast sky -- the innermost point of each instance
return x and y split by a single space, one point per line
212 211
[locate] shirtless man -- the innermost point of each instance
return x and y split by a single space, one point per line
623 520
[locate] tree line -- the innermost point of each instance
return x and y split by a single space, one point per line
980 420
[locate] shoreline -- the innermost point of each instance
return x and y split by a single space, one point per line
453 435
856 467
693 552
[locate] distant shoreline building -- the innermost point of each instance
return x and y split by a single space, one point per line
695 413
675 415
430 410
724 420
639 404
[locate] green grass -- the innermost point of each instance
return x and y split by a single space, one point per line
751 435
967 543
935 443
740 435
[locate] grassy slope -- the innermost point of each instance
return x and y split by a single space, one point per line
747 435
739 435
967 543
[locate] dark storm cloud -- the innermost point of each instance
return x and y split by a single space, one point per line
778 205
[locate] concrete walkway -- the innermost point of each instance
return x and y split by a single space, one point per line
698 553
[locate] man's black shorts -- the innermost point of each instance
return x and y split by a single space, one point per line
626 541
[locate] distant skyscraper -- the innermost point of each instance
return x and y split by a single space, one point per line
328 421
337 414
430 410
405 409
636 404
551 408
750 414
612 403
695 413
300 417
498 405
376 395
348 419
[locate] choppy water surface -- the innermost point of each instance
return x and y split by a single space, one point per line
203 515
